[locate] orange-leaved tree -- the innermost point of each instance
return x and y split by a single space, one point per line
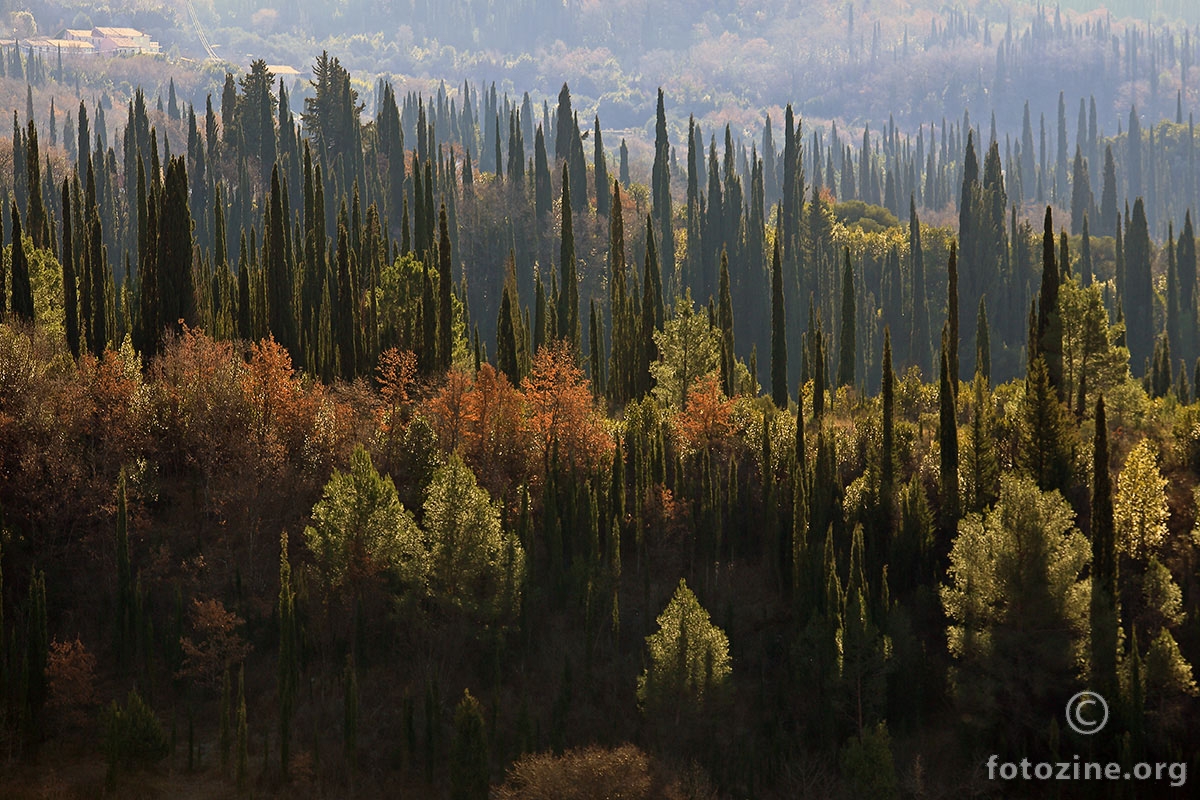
562 412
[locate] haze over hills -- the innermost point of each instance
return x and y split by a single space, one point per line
681 401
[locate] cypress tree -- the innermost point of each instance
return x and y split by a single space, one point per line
1186 266
1104 620
428 321
125 588
344 336
661 185
779 384
887 464
983 348
350 713
948 439
725 324
507 328
595 353
469 768
647 349
1087 271
242 768
920 353
1173 291
542 199
1049 323
22 289
600 162
1137 300
983 464
568 297
281 317
847 345
952 315
1109 219
176 288
288 669
245 326
445 319
70 297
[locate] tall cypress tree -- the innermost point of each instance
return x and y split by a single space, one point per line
176 289
983 347
725 325
1049 322
887 457
661 184
22 289
288 667
445 290
600 162
948 439
952 315
568 292
920 353
779 383
1104 620
70 296
847 345
1186 266
1138 297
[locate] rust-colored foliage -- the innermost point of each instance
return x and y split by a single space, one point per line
447 410
70 673
217 645
282 412
562 411
705 422
494 441
397 374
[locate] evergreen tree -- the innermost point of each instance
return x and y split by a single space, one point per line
70 290
847 345
469 767
661 189
983 348
887 457
919 348
948 441
445 330
281 316
568 292
600 163
173 262
22 289
1138 295
725 323
350 713
1186 266
1108 196
1045 449
242 768
288 657
1081 193
1104 613
952 315
779 382
1049 322
982 463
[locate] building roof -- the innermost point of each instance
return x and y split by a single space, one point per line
283 71
71 33
122 33
65 44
